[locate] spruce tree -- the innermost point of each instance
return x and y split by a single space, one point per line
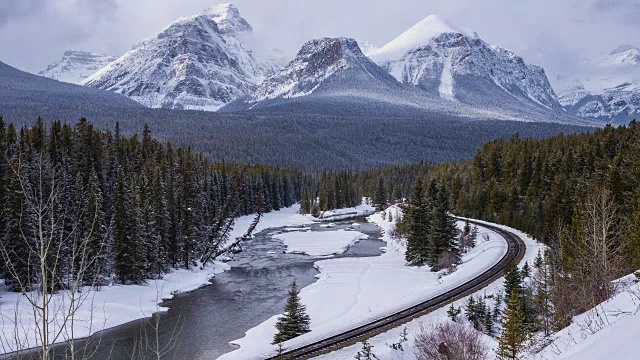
453 313
380 199
90 228
512 281
418 220
513 335
633 233
295 321
16 255
443 230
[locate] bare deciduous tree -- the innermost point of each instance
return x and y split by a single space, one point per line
449 341
57 281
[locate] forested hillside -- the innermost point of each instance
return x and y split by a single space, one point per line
578 193
109 208
537 185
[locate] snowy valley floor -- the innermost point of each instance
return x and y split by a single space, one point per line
119 304
353 291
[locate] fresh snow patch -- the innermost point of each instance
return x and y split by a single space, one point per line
353 291
320 243
446 80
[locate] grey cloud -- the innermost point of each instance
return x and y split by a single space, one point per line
555 34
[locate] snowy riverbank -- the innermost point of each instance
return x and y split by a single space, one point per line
352 291
119 304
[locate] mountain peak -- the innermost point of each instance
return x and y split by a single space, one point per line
76 65
418 35
321 66
228 18
622 48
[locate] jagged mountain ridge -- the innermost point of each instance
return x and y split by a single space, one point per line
201 63
608 88
332 75
76 65
453 64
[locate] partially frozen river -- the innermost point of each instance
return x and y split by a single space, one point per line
200 324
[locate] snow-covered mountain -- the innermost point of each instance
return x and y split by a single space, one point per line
333 76
76 65
329 75
458 65
320 64
201 62
607 88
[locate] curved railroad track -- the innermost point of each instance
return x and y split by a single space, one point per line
515 252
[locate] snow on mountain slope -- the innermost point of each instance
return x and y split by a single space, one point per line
333 76
315 65
608 87
76 65
201 63
479 71
618 105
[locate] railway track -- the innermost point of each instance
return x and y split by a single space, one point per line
515 252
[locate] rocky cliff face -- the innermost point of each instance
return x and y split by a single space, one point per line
201 63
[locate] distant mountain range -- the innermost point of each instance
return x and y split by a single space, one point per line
210 62
76 65
608 88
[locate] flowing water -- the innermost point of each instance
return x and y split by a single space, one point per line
200 324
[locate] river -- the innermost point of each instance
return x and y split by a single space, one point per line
200 324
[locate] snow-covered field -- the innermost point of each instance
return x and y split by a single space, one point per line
320 243
381 342
116 305
353 291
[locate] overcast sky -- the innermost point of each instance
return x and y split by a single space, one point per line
553 33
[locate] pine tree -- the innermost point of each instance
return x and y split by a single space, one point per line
453 313
512 281
473 311
537 263
526 271
16 255
295 321
633 233
418 217
380 199
90 228
443 230
488 322
543 301
513 335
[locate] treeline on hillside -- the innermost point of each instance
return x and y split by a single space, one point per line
340 189
579 194
96 205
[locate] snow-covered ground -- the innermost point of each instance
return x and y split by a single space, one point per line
353 291
381 342
615 338
116 305
320 243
